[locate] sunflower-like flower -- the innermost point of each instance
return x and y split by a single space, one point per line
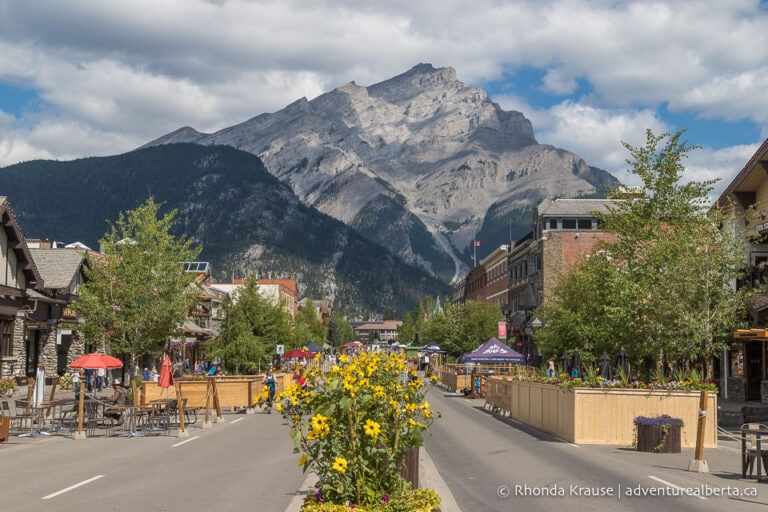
303 459
371 428
340 464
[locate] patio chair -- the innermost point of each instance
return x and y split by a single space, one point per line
751 449
20 415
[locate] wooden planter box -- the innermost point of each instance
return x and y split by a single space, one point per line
598 415
5 428
650 438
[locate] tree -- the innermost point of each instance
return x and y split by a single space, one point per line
308 326
136 294
339 330
662 290
251 330
461 328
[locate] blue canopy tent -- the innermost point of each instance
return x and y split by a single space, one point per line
314 347
494 351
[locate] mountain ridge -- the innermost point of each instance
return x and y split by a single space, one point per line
431 154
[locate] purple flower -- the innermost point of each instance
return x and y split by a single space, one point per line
664 419
385 498
319 495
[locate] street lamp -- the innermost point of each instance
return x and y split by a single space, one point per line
506 310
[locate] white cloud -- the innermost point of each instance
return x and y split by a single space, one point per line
116 74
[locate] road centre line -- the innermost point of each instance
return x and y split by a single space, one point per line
670 484
72 487
238 419
184 441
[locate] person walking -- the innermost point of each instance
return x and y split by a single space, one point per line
269 381
551 369
101 374
76 384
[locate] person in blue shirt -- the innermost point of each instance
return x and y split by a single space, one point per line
269 381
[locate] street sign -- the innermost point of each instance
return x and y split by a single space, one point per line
280 349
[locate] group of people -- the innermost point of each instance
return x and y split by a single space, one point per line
94 380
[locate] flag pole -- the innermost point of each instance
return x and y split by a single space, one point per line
474 252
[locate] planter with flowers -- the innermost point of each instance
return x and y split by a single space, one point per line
353 427
7 386
660 434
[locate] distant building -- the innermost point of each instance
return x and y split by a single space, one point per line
385 330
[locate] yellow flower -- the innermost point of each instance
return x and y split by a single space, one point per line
349 382
372 428
378 392
343 358
340 464
279 407
303 459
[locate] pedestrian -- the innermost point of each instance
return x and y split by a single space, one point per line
89 379
146 374
76 384
101 375
551 369
269 381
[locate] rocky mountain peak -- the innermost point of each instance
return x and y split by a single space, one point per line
419 163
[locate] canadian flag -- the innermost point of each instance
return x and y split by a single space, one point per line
478 243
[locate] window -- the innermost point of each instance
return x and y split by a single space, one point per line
585 223
6 338
569 223
552 223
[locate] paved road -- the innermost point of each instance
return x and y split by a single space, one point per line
493 464
243 464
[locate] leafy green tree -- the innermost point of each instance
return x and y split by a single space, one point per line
339 330
136 294
308 326
662 290
251 330
461 328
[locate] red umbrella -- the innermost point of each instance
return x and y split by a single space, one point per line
166 374
96 360
298 353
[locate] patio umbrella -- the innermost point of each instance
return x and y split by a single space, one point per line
566 362
605 366
297 353
166 374
576 364
622 362
96 360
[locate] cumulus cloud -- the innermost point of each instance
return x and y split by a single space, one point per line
114 75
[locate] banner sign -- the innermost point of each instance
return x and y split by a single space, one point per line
502 330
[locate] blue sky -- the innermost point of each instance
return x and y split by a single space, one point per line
83 78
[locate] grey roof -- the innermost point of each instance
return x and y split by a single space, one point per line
57 267
572 207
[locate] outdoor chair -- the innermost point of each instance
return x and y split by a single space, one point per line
157 420
21 416
751 449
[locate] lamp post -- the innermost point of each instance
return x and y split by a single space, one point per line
506 310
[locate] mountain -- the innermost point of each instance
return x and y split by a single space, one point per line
246 220
419 163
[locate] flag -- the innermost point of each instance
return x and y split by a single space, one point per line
478 243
